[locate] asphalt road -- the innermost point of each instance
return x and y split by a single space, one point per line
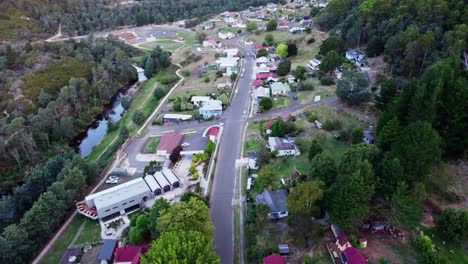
225 174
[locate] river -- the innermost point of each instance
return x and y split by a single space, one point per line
98 131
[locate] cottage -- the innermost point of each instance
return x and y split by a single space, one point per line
313 65
262 60
168 143
106 253
211 108
282 25
210 43
262 68
276 201
257 83
224 34
253 161
199 100
352 256
369 137
234 52
306 22
223 63
342 241
132 254
280 89
295 30
230 20
261 92
231 70
356 56
284 146
208 25
264 76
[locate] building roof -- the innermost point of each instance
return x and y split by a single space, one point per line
368 134
130 254
223 31
354 256
262 59
199 98
162 181
274 259
107 250
277 143
262 92
343 239
261 76
258 46
212 105
170 141
226 62
278 86
177 116
211 41
213 131
276 201
170 176
224 84
283 249
257 83
152 183
118 193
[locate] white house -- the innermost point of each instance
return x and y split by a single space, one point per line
226 62
262 68
261 92
230 20
199 100
356 56
262 60
211 108
284 146
231 70
280 89
211 43
313 65
231 52
239 25
224 85
224 34
295 30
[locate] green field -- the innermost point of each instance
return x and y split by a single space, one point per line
165 44
281 101
252 145
152 145
56 251
91 232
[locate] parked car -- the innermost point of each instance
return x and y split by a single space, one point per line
113 181
185 144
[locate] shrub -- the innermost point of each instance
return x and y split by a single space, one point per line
312 117
265 104
169 79
195 176
186 73
307 86
207 79
332 125
138 117
327 81
284 68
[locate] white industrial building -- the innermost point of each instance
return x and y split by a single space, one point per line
133 193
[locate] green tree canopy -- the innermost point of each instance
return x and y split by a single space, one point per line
277 128
271 25
181 247
314 149
353 88
332 44
453 225
402 210
331 61
284 68
323 168
251 26
282 50
303 199
267 177
265 104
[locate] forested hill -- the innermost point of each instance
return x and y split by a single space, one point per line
411 34
32 19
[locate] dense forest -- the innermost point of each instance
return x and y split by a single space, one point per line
50 93
26 19
411 34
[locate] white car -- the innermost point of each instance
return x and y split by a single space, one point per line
237 91
185 144
245 112
113 181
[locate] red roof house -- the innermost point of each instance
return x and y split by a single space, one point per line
257 83
168 143
353 256
274 259
129 254
342 241
264 76
258 47
213 133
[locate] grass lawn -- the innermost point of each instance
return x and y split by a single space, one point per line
278 35
252 145
56 251
164 44
91 233
459 253
152 145
281 101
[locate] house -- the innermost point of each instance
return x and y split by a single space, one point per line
231 70
257 83
295 30
224 34
230 20
262 60
175 118
129 255
168 143
276 201
264 76
199 100
261 92
280 89
342 241
106 254
306 22
253 161
284 146
208 25
262 68
270 122
210 43
369 137
211 108
352 256
213 133
224 85
356 56
239 25
234 52
275 259
258 47
223 63
282 25
313 65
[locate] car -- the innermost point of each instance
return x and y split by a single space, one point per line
112 181
295 97
221 124
245 112
185 144
113 177
236 92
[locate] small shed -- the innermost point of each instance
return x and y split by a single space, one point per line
106 253
369 137
119 171
153 185
283 249
162 181
171 178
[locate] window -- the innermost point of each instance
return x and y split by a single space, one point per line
124 204
114 208
107 210
131 201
